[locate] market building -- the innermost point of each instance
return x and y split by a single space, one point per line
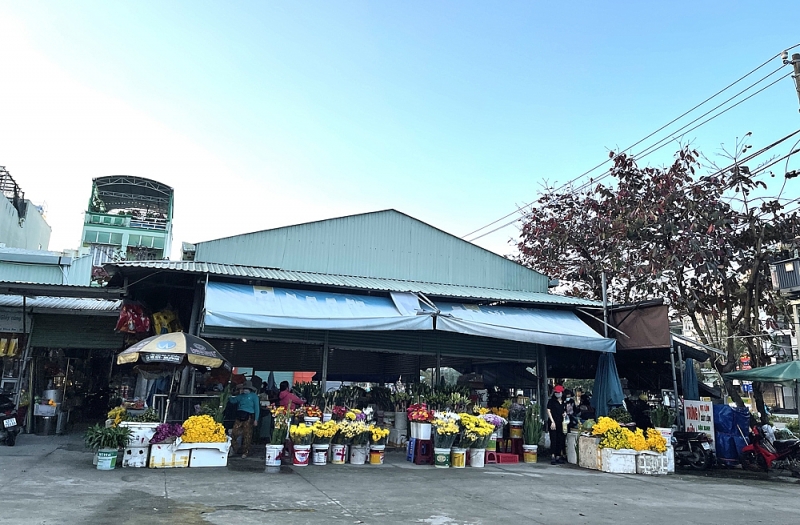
370 297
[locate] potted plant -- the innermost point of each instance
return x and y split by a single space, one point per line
106 442
662 418
532 430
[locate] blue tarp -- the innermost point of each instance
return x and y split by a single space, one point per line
528 325
729 426
691 392
266 307
607 388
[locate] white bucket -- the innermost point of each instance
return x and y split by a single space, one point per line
339 454
666 433
319 454
310 420
477 457
326 417
420 430
106 459
274 455
358 454
301 454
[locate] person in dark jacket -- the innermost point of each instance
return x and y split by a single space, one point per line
555 418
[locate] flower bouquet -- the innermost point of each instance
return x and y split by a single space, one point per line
354 432
311 411
280 423
166 433
324 432
338 413
532 426
378 435
301 434
516 412
203 429
500 411
445 429
419 413
496 421
475 431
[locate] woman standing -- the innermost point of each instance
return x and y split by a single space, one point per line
555 414
248 410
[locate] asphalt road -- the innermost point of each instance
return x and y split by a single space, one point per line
51 480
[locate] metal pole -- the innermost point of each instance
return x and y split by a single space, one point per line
605 307
796 356
674 379
796 76
438 375
324 382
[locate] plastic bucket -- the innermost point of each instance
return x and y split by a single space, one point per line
320 454
477 457
376 454
326 417
338 454
666 433
310 420
301 454
530 453
274 455
358 454
400 420
441 457
420 430
515 432
106 459
458 457
491 446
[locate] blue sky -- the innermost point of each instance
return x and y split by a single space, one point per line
262 114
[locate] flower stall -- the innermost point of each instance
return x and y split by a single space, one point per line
206 441
611 447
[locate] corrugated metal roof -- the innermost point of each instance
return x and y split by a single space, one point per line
386 244
61 303
359 283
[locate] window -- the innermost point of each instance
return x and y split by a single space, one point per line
104 237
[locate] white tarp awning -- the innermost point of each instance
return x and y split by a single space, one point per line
259 307
527 325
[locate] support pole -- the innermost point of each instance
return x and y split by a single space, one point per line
796 76
796 350
605 307
541 372
324 382
438 376
674 379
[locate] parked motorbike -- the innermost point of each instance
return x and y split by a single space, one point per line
693 450
763 455
9 427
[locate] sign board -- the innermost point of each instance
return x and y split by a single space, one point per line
11 321
699 417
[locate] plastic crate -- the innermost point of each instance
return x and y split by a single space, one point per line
507 458
651 463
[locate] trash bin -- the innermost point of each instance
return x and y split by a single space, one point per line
45 425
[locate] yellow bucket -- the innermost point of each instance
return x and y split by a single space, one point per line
458 457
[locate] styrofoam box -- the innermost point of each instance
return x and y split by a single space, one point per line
397 437
670 454
141 433
651 463
208 457
135 457
166 456
621 461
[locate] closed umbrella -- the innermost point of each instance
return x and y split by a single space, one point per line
691 391
607 388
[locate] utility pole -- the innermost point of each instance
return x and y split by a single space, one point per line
795 62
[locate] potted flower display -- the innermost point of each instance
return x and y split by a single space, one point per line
106 442
310 414
358 434
206 440
377 444
301 436
280 431
532 431
445 430
420 418
323 434
475 434
498 423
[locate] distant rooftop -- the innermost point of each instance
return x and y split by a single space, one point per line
126 192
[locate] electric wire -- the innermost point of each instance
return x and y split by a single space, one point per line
566 184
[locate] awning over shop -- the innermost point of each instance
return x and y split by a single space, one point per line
528 325
265 307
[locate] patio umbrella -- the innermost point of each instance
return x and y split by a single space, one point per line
177 348
607 388
173 350
691 391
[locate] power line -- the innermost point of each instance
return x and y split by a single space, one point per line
521 208
746 159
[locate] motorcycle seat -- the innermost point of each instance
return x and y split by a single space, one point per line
783 444
687 435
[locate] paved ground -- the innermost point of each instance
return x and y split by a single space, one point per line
50 480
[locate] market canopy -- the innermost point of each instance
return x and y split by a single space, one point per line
784 374
243 306
528 325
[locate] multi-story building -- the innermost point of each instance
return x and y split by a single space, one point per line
128 218
22 223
